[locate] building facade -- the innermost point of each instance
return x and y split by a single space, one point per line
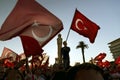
115 48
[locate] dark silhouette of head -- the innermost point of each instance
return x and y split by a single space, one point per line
85 71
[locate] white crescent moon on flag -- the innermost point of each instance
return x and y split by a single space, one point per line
41 39
76 24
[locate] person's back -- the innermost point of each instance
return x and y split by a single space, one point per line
85 71
65 55
65 52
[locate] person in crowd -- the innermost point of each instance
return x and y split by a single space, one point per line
39 75
115 72
65 55
13 74
85 71
29 75
2 72
107 75
59 75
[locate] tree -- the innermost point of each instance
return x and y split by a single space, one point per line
82 45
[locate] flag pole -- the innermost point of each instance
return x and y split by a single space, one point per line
68 35
70 28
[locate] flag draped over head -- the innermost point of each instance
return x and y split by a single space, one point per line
84 26
29 18
31 46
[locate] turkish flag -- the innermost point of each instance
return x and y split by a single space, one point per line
100 63
83 26
8 53
100 57
106 64
31 46
103 64
29 18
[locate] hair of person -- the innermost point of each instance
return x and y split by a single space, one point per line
85 66
59 75
64 42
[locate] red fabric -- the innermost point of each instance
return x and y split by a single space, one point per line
83 26
100 63
100 57
106 64
31 46
8 63
117 60
103 64
24 14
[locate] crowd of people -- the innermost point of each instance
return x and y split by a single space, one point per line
23 71
92 70
84 71
89 71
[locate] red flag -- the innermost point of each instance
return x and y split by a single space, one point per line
100 57
29 18
103 64
106 63
100 63
31 46
83 26
8 53
117 60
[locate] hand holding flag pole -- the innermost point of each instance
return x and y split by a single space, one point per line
67 35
